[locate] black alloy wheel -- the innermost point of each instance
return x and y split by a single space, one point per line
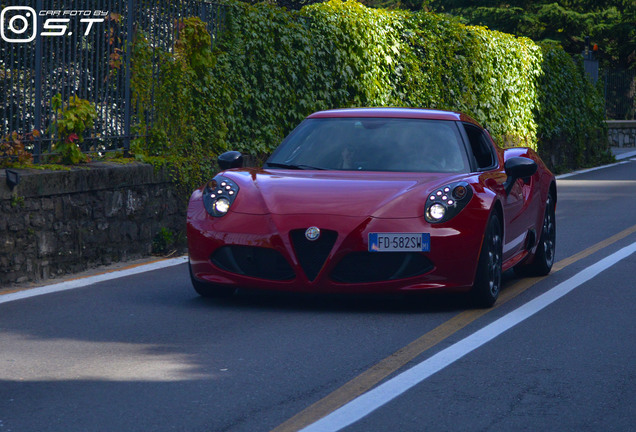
544 256
489 274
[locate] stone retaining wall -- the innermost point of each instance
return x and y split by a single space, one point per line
622 133
60 222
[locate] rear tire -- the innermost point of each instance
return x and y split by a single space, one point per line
543 258
209 290
489 274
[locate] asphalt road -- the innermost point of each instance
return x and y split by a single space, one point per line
144 353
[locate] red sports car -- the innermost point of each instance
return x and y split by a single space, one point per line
375 200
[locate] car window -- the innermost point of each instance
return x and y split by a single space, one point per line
481 146
375 144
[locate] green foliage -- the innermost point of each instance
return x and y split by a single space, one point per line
571 113
266 61
272 67
361 49
609 23
163 241
73 120
17 201
188 127
12 149
491 76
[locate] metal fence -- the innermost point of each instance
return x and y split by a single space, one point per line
82 48
620 94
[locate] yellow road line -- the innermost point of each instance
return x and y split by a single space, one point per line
372 376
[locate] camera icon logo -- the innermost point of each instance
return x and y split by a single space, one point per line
18 24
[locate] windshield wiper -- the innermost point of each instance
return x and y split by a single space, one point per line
291 166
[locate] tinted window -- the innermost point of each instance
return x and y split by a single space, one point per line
375 144
481 146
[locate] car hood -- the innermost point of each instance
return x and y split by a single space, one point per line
342 193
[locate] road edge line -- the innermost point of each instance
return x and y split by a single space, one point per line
89 280
584 171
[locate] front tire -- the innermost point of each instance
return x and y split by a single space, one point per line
489 274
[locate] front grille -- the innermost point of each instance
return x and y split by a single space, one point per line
263 263
312 254
364 267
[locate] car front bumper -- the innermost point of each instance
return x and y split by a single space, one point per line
270 252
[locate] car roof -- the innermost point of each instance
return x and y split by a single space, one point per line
410 113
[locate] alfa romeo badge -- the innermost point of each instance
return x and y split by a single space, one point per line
312 233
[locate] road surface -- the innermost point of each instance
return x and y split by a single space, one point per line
144 353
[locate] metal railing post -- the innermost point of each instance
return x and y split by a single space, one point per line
128 100
37 114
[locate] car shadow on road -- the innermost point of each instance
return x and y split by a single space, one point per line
399 303
345 303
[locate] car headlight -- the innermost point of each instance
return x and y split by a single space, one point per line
446 202
436 212
218 195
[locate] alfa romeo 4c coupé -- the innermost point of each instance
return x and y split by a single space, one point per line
375 200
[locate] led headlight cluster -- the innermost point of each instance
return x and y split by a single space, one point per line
446 202
218 195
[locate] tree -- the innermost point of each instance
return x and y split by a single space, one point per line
609 23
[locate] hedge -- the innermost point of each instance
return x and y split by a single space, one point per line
272 67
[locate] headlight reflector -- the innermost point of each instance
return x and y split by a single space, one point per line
460 192
222 205
436 212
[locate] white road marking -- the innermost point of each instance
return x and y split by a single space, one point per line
79 283
562 176
384 393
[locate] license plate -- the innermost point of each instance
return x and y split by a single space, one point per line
399 242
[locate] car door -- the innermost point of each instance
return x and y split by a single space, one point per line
515 229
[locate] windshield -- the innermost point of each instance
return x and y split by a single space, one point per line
373 144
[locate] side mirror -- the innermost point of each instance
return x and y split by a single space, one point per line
516 168
230 159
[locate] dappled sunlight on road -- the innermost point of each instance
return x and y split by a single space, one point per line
26 359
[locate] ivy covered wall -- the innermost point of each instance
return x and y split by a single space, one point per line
271 67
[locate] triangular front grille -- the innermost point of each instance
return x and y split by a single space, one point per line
312 254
